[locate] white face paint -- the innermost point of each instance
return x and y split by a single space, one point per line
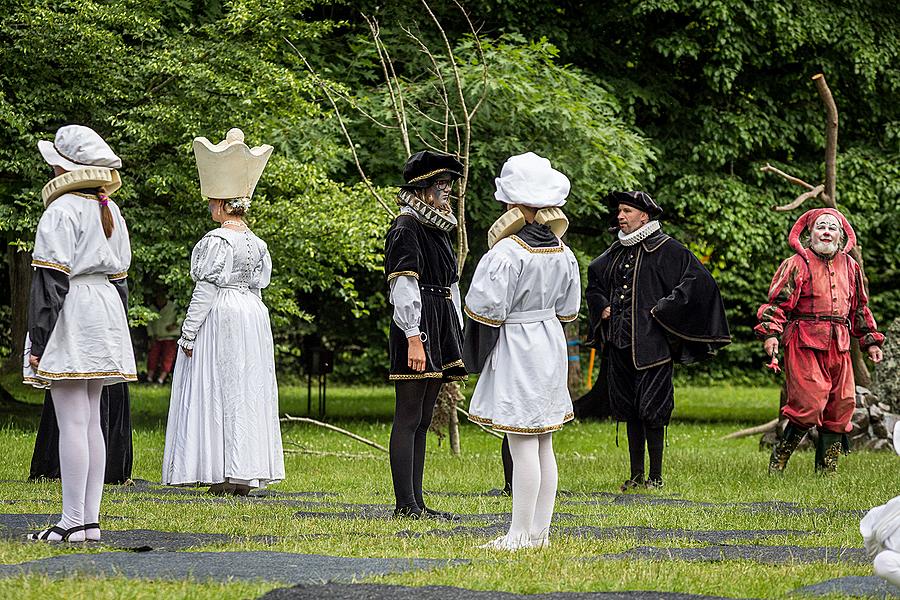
825 237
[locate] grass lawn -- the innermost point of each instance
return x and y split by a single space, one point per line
699 466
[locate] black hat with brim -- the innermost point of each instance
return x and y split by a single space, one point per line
425 167
639 200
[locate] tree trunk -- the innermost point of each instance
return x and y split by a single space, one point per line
573 349
20 287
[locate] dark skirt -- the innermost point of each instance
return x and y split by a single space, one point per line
647 394
443 346
115 421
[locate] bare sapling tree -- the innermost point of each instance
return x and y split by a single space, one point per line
438 115
827 192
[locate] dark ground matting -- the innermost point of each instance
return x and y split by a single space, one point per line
644 534
763 554
338 591
222 566
867 587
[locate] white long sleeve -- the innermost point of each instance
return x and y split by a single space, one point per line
457 302
407 301
201 302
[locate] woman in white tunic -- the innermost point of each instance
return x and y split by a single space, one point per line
880 529
523 289
78 338
223 427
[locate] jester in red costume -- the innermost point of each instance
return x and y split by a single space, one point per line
817 301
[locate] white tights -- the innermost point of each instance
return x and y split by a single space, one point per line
534 483
887 566
82 453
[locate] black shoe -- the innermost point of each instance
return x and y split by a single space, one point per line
633 483
654 483
782 451
430 513
408 512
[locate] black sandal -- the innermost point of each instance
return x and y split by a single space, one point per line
44 535
90 526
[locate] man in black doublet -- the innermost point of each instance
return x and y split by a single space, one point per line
426 330
651 304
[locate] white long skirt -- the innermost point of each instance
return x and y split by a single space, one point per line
523 385
223 413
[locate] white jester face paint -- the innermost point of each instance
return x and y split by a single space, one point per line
825 237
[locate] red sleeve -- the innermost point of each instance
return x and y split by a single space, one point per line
783 295
862 323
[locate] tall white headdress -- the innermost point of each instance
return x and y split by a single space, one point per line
230 169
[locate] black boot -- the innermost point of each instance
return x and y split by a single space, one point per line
782 451
828 450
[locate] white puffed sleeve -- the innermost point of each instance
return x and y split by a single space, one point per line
211 265
493 286
54 243
407 300
569 301
120 244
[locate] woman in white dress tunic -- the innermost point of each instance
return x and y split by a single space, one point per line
223 427
523 288
880 529
78 338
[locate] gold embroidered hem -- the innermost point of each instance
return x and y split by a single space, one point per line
567 318
50 265
519 241
88 375
405 376
522 430
482 320
35 382
455 363
397 274
117 276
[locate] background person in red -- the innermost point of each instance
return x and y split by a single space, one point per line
163 332
816 302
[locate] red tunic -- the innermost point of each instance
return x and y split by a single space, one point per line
814 307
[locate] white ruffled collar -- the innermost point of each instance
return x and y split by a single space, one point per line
639 235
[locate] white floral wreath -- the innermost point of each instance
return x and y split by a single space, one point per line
239 203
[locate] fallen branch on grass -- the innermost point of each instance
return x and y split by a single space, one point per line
764 428
301 449
350 434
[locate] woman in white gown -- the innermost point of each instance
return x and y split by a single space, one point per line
223 427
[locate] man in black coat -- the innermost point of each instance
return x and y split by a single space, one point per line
651 304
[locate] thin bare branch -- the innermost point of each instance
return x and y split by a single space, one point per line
764 428
770 169
387 67
347 136
350 434
484 66
801 199
440 77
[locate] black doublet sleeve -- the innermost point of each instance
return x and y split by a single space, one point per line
48 292
402 254
478 343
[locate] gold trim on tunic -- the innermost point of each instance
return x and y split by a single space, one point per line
482 320
397 274
117 276
455 363
552 250
50 265
511 429
88 375
567 318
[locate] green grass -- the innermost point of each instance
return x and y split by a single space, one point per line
700 466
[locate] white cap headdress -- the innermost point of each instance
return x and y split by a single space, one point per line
87 158
230 169
529 180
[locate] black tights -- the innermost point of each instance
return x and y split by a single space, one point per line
640 433
412 416
507 465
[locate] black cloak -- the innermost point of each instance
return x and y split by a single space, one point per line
676 305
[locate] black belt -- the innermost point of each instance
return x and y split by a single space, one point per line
435 290
829 318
